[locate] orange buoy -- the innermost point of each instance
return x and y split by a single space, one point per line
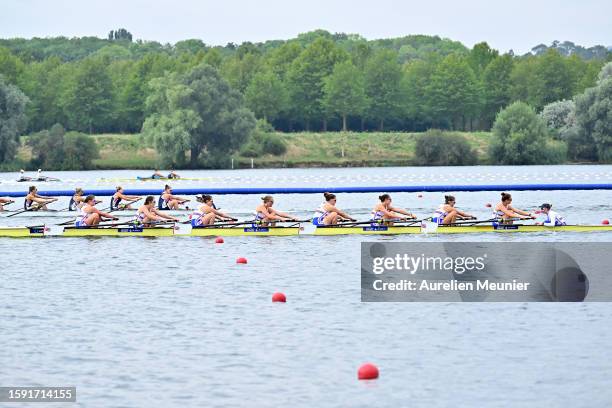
606 222
367 371
279 297
488 205
219 240
241 260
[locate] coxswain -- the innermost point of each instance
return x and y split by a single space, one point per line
328 213
35 202
148 214
265 214
553 218
207 214
385 212
89 215
448 214
504 212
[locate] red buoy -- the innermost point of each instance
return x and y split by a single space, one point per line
537 212
488 205
279 297
606 222
367 371
241 260
219 240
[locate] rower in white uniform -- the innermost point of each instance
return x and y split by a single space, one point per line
266 215
89 215
207 214
385 212
448 214
148 214
553 218
328 213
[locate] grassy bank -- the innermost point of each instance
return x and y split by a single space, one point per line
336 149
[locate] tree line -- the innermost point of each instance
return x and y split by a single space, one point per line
193 98
317 81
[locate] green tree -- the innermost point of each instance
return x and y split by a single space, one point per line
594 117
196 111
520 137
47 147
383 76
453 92
415 86
13 119
345 91
88 100
481 56
306 78
79 151
496 82
266 96
11 67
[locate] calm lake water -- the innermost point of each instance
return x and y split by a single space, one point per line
176 322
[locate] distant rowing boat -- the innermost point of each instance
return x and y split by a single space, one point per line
138 178
240 229
36 179
65 213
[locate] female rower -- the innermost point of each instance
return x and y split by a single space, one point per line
35 202
383 211
206 214
77 200
173 175
504 211
5 201
167 201
118 197
265 214
328 213
23 177
89 215
157 175
448 214
553 218
148 214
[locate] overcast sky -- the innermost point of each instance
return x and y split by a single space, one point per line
509 24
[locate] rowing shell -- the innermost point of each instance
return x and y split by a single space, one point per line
116 213
241 230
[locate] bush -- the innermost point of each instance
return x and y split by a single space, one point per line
57 150
79 151
438 148
520 136
274 145
263 141
593 114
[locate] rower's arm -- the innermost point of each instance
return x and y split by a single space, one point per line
517 211
342 213
219 213
464 214
159 216
282 214
402 211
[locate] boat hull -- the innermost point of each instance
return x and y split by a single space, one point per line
166 231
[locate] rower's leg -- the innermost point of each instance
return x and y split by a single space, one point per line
93 219
208 219
450 217
173 205
331 218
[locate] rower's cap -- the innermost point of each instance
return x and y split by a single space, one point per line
545 205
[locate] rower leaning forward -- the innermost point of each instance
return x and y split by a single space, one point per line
89 215
34 202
